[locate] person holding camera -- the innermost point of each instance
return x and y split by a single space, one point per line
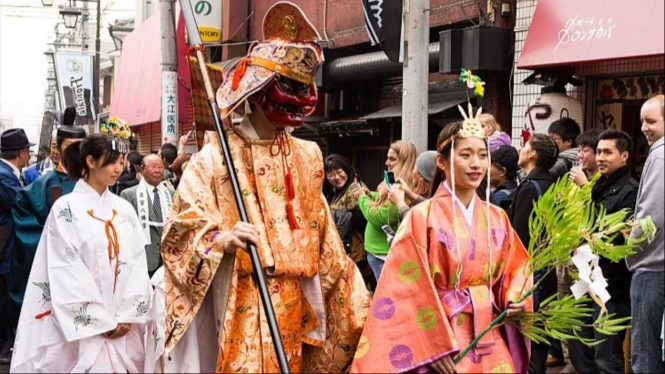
382 215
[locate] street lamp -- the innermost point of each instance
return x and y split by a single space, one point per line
70 15
47 2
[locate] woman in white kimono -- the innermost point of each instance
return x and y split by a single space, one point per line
86 304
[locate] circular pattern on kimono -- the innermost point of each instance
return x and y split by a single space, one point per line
401 356
409 272
503 367
383 308
363 347
426 319
435 270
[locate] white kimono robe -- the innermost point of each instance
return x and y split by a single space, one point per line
71 299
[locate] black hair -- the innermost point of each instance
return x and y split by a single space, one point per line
334 162
135 159
448 131
169 153
567 129
99 146
546 150
621 139
589 139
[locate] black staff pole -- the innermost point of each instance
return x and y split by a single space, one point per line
259 275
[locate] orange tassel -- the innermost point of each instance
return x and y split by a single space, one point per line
42 315
239 73
291 216
290 187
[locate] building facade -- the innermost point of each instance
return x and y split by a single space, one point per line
615 51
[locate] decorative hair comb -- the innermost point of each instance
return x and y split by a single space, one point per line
471 126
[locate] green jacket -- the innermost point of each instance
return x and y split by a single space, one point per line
376 242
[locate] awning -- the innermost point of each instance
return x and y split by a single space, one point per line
568 32
438 103
138 81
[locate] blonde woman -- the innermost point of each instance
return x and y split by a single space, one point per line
377 208
495 137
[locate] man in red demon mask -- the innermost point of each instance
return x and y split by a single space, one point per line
214 320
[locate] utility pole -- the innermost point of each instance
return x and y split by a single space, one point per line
85 27
169 73
415 96
98 61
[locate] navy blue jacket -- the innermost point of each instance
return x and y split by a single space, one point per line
10 185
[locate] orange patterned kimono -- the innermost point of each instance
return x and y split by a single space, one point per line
417 316
319 297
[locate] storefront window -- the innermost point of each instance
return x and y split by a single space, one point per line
618 104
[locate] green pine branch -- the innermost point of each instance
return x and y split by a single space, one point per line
567 218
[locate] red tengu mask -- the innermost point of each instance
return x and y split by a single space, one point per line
287 102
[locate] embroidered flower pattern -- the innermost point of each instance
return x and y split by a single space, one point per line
46 292
70 254
82 318
141 308
121 264
67 214
128 219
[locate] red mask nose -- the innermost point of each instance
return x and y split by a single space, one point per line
288 109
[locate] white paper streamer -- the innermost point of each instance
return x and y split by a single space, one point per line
591 275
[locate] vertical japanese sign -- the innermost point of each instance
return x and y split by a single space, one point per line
208 14
74 73
170 107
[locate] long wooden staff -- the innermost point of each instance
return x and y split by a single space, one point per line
259 275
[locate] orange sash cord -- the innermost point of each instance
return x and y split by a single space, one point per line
114 245
282 145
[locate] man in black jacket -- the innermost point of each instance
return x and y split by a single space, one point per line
615 190
536 158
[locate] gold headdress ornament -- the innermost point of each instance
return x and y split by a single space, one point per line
471 126
119 134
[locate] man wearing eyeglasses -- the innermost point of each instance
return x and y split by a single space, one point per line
152 201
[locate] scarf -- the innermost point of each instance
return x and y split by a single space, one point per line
143 206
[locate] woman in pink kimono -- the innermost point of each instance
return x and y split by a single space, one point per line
454 265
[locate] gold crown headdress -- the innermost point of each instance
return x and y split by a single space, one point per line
119 133
471 126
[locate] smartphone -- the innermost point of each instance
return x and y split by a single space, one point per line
389 177
388 231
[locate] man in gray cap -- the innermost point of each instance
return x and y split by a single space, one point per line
14 155
31 208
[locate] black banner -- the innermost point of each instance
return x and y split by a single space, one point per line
384 20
